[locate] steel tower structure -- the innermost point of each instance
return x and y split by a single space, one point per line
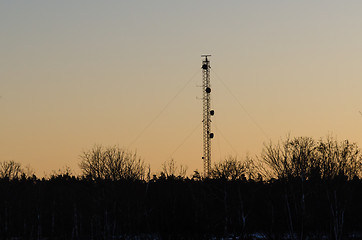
207 113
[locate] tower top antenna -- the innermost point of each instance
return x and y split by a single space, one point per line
205 56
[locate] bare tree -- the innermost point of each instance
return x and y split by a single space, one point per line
306 158
92 162
170 169
233 169
10 170
339 159
28 171
291 158
66 171
112 163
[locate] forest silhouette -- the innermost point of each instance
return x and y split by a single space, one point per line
298 188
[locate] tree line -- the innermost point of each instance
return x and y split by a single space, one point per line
298 188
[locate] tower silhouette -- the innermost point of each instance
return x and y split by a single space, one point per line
207 113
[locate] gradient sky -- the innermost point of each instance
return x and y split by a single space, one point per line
78 73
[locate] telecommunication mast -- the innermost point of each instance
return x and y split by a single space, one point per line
207 113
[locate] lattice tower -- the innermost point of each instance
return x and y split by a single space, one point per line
207 113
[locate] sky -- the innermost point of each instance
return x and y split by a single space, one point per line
128 73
